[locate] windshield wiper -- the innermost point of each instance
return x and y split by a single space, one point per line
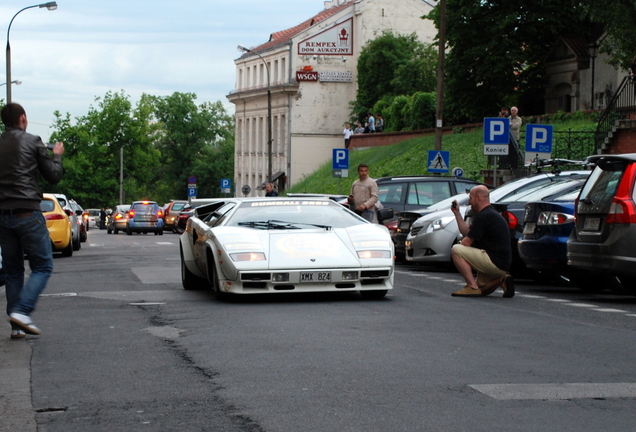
326 227
277 224
270 224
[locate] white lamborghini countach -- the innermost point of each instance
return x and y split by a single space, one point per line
282 245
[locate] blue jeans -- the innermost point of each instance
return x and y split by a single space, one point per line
19 235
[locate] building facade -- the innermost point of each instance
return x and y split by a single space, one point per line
578 77
306 76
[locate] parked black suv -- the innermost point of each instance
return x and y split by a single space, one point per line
603 240
417 192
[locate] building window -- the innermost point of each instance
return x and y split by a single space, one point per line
283 70
275 71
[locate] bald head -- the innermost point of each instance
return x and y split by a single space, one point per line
479 197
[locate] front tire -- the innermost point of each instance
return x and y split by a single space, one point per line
189 280
68 250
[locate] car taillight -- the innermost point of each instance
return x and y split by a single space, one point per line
131 214
621 211
554 218
393 225
159 213
54 216
511 219
119 216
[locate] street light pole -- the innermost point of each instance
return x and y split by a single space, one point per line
16 82
121 175
269 112
49 6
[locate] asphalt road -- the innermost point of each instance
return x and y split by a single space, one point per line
125 348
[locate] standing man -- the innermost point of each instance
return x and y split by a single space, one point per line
371 122
364 194
515 122
22 226
347 132
269 190
485 248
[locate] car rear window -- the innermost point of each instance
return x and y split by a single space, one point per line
602 185
47 205
177 206
427 193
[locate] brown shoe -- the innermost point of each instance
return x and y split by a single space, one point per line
467 292
508 286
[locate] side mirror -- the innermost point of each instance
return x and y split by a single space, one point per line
68 212
78 212
384 214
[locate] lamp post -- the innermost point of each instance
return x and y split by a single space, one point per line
121 170
49 6
593 47
16 82
269 112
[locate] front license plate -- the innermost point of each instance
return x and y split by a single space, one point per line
315 276
591 224
529 228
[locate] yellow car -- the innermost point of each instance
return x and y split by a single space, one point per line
58 224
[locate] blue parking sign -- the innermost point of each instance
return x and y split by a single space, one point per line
225 183
539 138
496 130
340 158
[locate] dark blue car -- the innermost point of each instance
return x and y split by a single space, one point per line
547 227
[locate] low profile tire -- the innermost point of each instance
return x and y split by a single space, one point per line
109 231
587 283
77 245
373 295
116 231
68 250
189 280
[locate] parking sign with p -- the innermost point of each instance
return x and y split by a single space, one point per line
496 130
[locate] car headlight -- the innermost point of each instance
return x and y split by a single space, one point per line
374 254
248 256
439 224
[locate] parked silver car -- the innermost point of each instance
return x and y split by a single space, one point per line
75 218
432 236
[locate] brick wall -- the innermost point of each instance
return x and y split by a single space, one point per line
389 138
625 142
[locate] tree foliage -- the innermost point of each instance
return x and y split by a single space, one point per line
393 65
497 47
164 141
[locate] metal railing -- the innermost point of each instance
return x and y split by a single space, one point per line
622 106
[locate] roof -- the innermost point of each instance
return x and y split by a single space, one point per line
285 36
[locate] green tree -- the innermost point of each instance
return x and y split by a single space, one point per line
498 46
618 17
393 65
188 142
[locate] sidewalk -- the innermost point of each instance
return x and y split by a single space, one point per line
16 410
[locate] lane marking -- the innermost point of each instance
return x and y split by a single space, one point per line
564 391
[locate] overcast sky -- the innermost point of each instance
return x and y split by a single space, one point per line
67 57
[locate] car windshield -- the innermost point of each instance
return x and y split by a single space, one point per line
47 205
462 199
545 190
601 187
290 214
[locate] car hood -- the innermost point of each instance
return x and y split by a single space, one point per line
308 248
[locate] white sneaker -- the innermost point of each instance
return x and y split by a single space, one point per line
24 323
17 334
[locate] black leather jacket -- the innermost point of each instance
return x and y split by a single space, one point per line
22 156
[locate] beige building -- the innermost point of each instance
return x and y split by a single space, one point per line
578 77
310 74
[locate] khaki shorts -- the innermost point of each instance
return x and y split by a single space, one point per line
480 261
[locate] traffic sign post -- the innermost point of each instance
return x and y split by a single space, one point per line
192 191
340 166
538 142
438 161
496 139
225 186
458 172
246 189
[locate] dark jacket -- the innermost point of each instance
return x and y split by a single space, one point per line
22 156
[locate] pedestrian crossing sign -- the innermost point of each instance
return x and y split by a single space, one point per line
438 161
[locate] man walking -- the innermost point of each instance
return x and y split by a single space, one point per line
364 194
22 226
485 248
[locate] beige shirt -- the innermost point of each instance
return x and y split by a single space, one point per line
515 126
365 192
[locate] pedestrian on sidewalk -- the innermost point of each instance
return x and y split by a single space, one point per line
22 227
